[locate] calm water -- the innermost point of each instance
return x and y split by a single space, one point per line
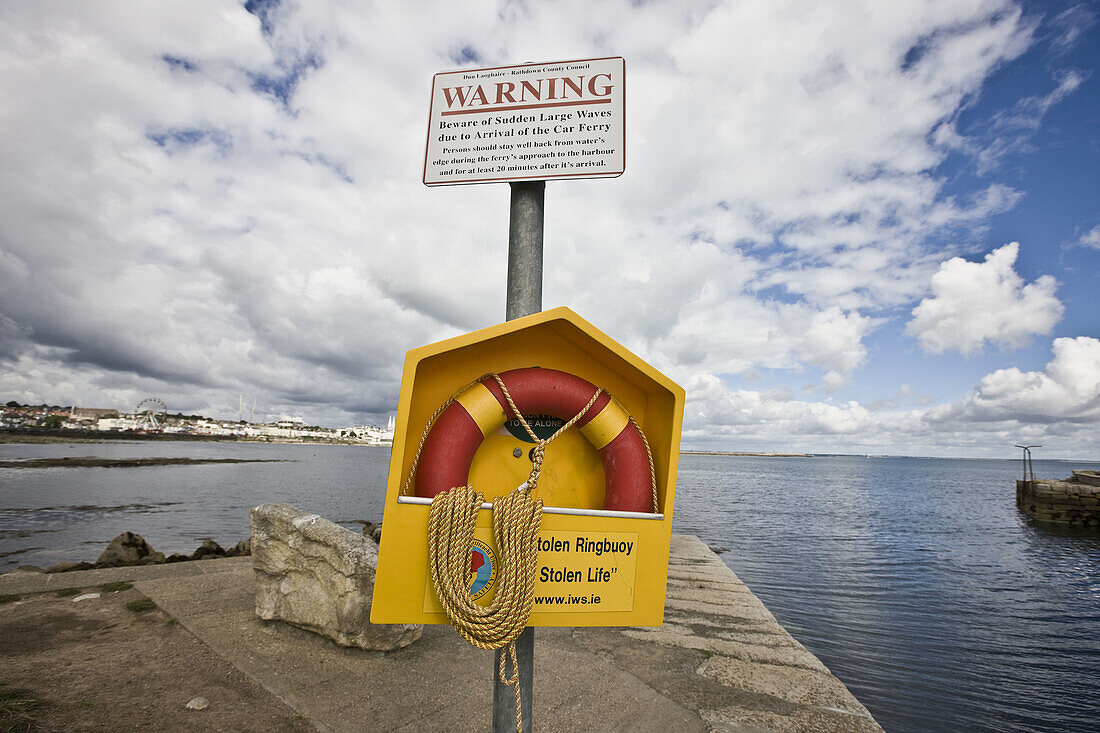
915 580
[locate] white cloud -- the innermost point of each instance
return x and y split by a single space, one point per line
977 302
1066 392
715 413
1058 407
1091 238
1070 25
831 381
904 392
1012 130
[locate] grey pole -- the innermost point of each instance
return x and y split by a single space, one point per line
504 696
524 298
525 249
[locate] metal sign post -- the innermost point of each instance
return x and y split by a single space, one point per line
524 298
525 249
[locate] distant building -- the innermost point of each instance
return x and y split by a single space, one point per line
369 434
116 423
91 413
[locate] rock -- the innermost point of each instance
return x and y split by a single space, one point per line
29 569
155 558
319 576
376 535
126 549
241 549
64 567
368 527
209 549
198 703
85 597
176 557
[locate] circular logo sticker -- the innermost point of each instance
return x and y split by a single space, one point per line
483 569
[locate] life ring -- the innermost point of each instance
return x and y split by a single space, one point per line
481 409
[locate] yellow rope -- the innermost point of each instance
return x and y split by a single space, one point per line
652 469
516 522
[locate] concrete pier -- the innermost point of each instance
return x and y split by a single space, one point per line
720 662
1071 501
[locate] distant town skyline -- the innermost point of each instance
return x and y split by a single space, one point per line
60 421
871 228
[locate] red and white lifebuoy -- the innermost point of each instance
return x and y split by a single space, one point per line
482 409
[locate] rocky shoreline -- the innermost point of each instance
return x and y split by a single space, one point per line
130 549
95 462
47 435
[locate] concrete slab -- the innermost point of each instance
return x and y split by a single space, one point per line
438 683
32 582
721 662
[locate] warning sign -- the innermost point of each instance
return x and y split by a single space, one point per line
535 121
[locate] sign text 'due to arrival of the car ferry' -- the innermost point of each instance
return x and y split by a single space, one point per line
530 122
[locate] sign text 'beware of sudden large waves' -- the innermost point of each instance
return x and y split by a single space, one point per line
536 121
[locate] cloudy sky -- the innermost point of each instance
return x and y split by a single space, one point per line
857 226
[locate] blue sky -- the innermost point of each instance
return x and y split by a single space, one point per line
844 227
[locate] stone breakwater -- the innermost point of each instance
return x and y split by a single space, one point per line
1070 501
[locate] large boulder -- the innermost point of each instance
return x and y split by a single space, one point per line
319 576
128 549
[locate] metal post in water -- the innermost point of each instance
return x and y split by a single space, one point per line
524 298
1028 467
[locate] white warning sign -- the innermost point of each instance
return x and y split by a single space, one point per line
532 122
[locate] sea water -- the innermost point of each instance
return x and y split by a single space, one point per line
916 581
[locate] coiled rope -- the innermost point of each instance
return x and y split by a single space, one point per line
517 518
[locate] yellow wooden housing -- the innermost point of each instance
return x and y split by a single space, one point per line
595 568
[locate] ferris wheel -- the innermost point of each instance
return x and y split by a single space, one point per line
152 413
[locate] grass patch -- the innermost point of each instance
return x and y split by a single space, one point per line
8 598
66 592
84 704
171 622
116 586
16 707
141 605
